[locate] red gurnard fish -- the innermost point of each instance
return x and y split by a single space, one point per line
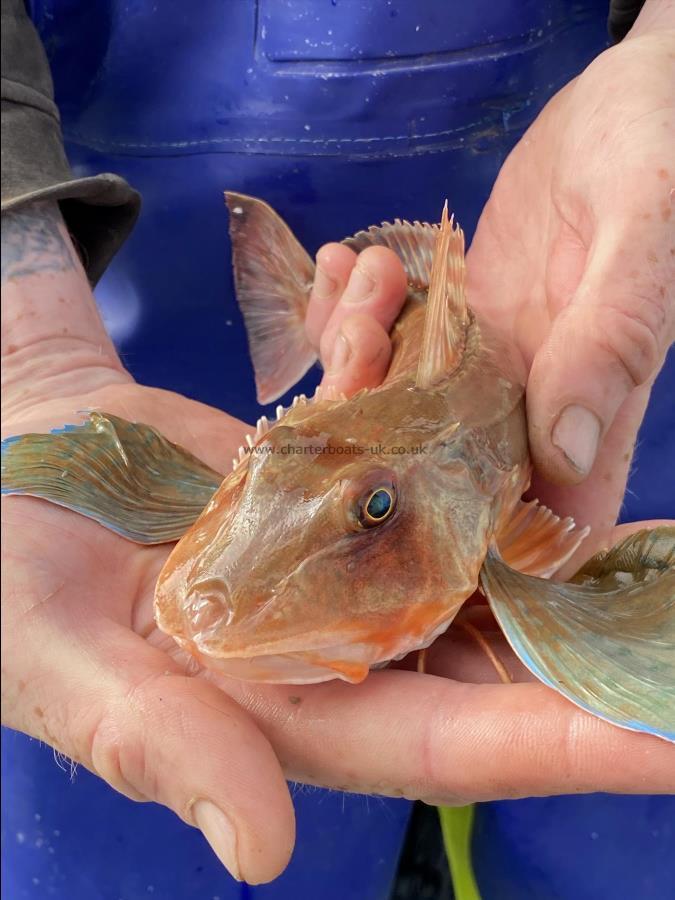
352 530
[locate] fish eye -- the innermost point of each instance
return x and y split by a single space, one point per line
377 506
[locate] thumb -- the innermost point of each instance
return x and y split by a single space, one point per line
609 340
155 734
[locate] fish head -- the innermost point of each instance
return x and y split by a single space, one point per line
320 557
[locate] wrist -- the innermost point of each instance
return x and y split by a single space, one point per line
52 333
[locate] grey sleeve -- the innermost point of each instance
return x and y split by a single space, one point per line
99 211
622 16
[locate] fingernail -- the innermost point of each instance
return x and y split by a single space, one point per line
577 434
220 833
342 350
361 285
324 285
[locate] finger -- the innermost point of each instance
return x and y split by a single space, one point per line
597 501
360 357
459 655
334 264
376 287
609 341
155 734
418 736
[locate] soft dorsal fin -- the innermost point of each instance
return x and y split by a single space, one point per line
446 316
273 278
412 242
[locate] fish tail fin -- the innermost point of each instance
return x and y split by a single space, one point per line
606 639
447 314
125 476
273 278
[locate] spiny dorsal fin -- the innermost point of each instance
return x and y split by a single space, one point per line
273 278
327 396
412 242
446 315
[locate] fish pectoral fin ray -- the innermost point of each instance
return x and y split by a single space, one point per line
639 557
447 316
273 277
412 242
126 476
536 541
606 641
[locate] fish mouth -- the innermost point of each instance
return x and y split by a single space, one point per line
346 661
302 667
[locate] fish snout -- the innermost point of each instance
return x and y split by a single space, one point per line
219 617
208 607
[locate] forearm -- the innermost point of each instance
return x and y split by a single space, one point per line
53 340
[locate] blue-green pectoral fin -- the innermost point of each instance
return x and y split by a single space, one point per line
124 475
605 640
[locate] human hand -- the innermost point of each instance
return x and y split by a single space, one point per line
89 673
573 264
83 669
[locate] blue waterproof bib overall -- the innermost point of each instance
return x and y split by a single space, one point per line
341 113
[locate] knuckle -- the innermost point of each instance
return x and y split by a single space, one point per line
119 748
438 777
578 766
119 757
326 342
568 747
633 334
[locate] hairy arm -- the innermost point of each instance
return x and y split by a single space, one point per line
54 344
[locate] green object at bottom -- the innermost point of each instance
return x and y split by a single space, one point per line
456 826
